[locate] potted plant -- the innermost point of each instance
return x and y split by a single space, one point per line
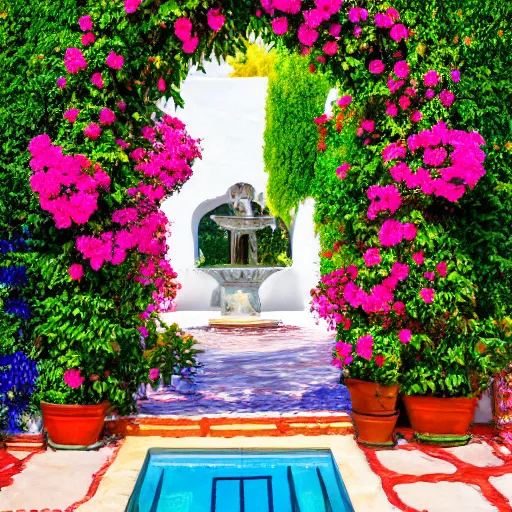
369 357
443 376
173 353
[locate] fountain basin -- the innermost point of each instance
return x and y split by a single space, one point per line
239 288
244 224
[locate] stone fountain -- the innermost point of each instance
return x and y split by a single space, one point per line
240 283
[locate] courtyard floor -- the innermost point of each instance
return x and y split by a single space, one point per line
261 389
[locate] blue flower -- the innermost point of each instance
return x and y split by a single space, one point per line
13 276
17 307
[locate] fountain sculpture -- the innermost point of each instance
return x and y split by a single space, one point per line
240 282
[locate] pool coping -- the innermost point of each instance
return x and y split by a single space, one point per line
363 486
232 426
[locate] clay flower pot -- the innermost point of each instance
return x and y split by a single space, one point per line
445 416
372 398
74 425
375 430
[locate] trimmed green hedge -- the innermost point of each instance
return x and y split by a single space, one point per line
295 97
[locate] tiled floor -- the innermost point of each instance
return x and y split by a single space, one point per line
283 370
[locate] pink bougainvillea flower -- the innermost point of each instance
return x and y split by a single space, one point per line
399 32
115 61
352 272
383 198
161 85
335 30
364 346
391 109
61 82
73 378
427 294
183 29
376 67
390 233
125 216
143 331
431 78
97 80
394 85
404 102
85 23
76 271
404 335
400 270
430 94
138 154
280 25
307 35
154 373
74 60
418 258
331 48
455 74
341 171
131 6
123 144
434 156
88 38
429 275
288 6
441 268
372 257
191 45
368 125
345 101
357 14
313 18
380 360
107 116
416 116
383 20
148 132
92 131
357 31
393 13
409 231
393 151
399 308
121 105
216 20
447 97
71 115
401 69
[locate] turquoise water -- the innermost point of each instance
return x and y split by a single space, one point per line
239 481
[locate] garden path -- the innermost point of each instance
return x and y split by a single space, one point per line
281 371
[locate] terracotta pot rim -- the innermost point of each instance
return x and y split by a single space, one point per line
349 380
471 398
105 402
390 415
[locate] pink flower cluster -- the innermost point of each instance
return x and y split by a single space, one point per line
73 378
382 199
67 184
452 160
392 232
183 30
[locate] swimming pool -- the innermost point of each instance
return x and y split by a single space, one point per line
239 481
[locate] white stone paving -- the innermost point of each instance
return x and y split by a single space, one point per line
53 480
444 497
504 485
478 454
415 462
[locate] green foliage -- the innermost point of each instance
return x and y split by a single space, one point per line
256 60
172 352
295 97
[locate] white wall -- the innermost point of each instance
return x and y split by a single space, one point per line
228 114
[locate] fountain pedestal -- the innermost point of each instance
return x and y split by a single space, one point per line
239 288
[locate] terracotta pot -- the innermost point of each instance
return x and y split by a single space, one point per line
372 398
449 416
74 425
374 429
